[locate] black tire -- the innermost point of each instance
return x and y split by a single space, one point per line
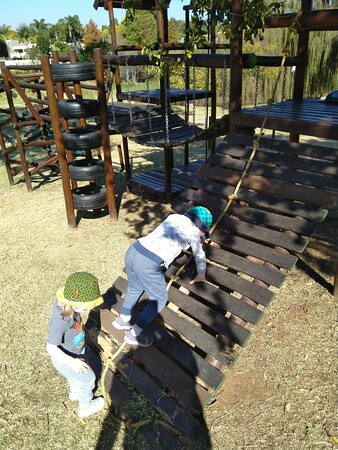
76 109
84 138
85 170
89 197
80 71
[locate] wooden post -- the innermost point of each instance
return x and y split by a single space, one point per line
117 76
67 192
108 168
300 72
212 141
236 62
5 158
78 95
17 133
187 81
60 96
127 164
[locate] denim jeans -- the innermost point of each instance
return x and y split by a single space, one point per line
80 384
144 275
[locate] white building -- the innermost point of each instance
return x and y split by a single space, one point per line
16 49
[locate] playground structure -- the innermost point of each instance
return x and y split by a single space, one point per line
288 190
31 125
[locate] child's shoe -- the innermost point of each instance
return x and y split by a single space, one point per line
92 407
120 324
142 340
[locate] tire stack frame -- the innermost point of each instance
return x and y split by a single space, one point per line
64 138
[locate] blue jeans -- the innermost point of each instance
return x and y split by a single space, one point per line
144 275
80 384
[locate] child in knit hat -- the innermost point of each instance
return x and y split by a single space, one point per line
148 258
65 342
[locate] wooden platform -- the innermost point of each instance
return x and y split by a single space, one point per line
154 181
200 332
174 95
311 117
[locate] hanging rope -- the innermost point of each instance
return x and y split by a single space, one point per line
148 110
256 85
129 93
110 85
224 86
166 105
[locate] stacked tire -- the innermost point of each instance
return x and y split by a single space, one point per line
94 195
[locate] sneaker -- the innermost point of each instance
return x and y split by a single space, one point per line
120 324
93 407
72 396
142 340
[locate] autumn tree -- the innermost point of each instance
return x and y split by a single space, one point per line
91 34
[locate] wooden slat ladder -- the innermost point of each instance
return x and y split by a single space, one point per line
199 332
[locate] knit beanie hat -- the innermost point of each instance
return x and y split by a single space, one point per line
80 291
201 217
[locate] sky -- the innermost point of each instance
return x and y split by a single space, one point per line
16 12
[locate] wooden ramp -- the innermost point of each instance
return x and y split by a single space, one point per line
200 332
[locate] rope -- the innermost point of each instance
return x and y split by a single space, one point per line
108 363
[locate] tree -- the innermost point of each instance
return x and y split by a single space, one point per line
91 34
173 30
139 28
40 27
73 29
6 32
23 32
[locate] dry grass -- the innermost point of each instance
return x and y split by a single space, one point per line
279 395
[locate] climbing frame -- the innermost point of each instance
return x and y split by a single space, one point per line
198 335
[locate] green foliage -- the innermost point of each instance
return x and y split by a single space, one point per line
88 51
139 28
61 46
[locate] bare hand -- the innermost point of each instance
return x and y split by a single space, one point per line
79 366
199 278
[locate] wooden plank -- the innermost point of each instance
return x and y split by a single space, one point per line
290 125
166 405
203 340
121 397
219 298
246 247
188 392
230 260
283 189
226 279
156 435
262 200
208 317
184 354
275 172
192 361
252 231
311 165
304 149
295 224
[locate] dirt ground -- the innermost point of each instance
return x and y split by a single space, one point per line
279 395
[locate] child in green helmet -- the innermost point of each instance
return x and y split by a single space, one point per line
148 258
65 342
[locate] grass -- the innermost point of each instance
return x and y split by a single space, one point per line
280 394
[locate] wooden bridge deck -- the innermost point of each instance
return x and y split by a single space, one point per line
198 335
311 117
